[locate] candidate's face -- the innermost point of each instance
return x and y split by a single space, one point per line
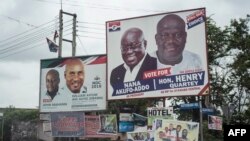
74 76
184 132
132 48
166 129
52 82
171 126
178 128
170 39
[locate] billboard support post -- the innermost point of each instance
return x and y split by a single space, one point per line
201 118
1 115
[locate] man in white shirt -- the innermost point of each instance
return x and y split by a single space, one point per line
74 75
52 83
171 39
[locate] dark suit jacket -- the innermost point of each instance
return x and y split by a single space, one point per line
118 73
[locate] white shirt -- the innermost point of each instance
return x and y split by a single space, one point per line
190 62
131 75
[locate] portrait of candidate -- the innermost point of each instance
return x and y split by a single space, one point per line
171 39
136 60
52 83
74 75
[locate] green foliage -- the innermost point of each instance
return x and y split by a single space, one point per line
12 114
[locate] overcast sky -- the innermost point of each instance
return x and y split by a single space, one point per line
23 20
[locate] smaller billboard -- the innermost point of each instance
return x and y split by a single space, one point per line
67 124
108 124
126 123
215 122
140 136
174 130
92 126
73 84
159 113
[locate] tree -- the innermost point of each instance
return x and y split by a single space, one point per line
239 47
11 115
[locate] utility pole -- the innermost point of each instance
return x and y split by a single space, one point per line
60 33
74 36
73 41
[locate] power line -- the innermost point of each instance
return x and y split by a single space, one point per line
19 21
82 45
102 29
91 23
25 43
20 51
27 38
26 31
21 38
90 37
84 31
100 6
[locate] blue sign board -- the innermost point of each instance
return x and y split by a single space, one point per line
207 111
189 106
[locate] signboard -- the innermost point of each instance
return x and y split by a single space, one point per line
67 124
175 130
45 116
73 84
214 122
108 124
189 106
92 126
46 126
161 113
140 136
145 62
207 111
126 123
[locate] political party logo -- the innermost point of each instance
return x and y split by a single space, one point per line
96 83
114 26
196 18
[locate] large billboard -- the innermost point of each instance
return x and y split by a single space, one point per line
157 55
73 84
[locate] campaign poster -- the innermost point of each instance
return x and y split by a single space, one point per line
108 124
73 84
92 126
139 120
175 130
67 124
140 136
126 122
157 55
46 126
214 122
45 116
158 112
